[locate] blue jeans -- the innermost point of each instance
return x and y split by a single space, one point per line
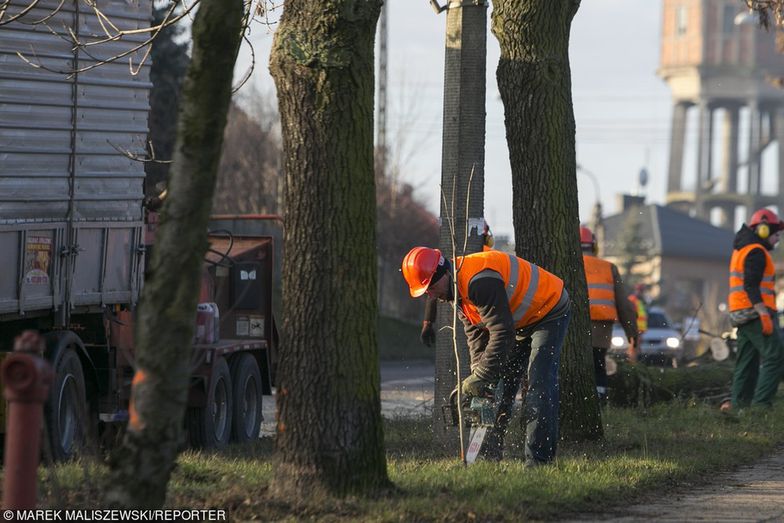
537 349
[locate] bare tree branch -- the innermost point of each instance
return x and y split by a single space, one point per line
146 158
20 14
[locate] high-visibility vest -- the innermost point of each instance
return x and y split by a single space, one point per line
642 313
738 299
532 291
601 288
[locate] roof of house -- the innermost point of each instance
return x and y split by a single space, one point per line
666 232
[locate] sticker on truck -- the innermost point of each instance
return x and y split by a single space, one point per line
38 254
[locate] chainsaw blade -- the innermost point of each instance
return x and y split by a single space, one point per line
475 444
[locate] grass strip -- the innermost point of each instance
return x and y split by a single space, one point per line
646 452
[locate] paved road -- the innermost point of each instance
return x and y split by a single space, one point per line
406 390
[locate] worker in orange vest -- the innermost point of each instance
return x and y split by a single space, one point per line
640 305
515 315
607 303
428 334
752 305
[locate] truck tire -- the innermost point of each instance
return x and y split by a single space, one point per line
246 379
209 427
65 412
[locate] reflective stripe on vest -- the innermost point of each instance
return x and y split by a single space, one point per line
531 291
601 289
738 298
642 313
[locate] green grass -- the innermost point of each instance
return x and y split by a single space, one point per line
645 452
399 340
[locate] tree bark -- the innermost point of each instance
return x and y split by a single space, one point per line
141 469
534 80
329 433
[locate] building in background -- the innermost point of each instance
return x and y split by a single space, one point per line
720 65
682 259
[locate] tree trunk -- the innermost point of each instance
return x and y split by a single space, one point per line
534 79
329 433
141 468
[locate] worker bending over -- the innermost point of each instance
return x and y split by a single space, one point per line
515 316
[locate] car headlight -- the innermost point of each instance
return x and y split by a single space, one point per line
617 341
673 343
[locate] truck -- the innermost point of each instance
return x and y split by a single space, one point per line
74 235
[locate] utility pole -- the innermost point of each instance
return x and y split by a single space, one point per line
463 158
381 141
381 119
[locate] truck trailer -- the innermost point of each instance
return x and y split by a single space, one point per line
74 234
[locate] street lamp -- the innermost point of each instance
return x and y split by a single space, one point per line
597 221
592 177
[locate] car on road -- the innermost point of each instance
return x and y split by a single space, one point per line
661 344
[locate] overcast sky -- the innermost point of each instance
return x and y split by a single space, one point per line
622 108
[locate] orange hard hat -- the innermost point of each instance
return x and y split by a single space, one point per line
419 266
764 216
586 237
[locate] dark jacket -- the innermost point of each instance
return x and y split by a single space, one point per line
488 342
754 265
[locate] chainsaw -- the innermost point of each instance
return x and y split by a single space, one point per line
479 415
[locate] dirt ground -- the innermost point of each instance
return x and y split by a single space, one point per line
751 493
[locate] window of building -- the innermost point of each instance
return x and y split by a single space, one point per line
730 11
681 20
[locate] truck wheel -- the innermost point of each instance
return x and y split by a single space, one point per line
246 379
65 412
210 426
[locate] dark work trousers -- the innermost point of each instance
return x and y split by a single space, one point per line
752 383
537 350
600 371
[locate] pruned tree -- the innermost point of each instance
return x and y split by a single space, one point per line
249 171
329 432
534 79
141 469
402 221
630 246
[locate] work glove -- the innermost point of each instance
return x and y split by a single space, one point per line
767 324
473 385
428 335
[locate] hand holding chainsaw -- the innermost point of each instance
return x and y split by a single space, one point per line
474 386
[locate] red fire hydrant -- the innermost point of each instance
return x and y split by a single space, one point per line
26 379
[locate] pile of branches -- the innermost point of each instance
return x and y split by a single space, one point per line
637 385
